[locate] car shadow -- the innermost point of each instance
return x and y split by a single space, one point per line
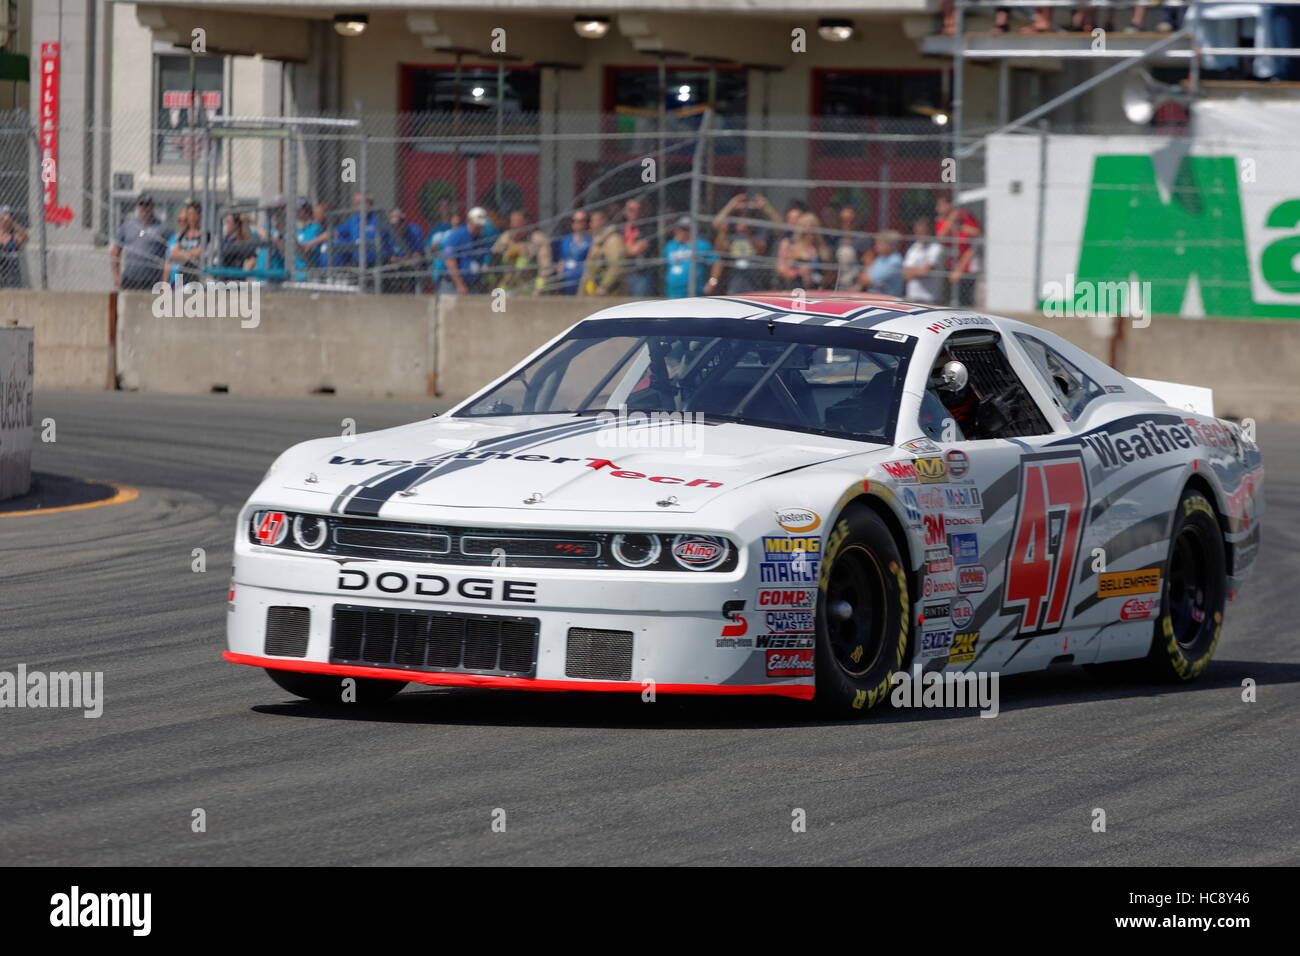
614 711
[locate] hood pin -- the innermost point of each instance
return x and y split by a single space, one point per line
534 498
311 479
667 502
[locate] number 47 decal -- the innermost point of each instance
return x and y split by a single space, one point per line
1044 548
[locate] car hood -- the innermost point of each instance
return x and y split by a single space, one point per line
590 463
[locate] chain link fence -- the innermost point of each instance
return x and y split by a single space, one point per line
672 204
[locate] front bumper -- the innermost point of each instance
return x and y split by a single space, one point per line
678 640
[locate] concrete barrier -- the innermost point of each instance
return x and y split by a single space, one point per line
476 344
73 340
380 346
410 346
16 361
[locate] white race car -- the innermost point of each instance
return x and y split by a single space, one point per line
756 495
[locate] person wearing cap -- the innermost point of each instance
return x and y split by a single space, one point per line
682 256
574 249
464 252
138 249
12 239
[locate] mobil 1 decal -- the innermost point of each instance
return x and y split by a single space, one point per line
1044 550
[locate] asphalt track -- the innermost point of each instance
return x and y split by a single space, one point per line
1188 775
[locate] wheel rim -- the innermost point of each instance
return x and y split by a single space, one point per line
1193 594
854 610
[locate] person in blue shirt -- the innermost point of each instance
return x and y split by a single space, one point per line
438 234
573 252
680 256
311 236
465 252
349 236
885 273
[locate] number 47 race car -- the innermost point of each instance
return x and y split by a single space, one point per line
756 495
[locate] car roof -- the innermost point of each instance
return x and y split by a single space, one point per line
856 310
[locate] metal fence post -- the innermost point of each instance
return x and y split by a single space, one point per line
40 208
696 161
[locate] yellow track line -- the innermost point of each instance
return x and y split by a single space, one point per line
122 494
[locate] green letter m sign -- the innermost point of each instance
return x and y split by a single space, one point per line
1133 233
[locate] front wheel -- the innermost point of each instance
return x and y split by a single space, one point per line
864 615
329 689
1194 593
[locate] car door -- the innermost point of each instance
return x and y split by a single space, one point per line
1012 509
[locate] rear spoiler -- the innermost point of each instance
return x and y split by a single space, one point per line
1188 398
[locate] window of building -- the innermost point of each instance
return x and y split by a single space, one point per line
185 100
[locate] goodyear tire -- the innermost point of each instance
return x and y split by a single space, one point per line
1194 592
864 615
328 689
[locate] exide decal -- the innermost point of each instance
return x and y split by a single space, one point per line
435 585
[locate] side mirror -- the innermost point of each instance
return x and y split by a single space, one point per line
953 377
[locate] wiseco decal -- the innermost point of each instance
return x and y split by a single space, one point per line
1124 583
1045 543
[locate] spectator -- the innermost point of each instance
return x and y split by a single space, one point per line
375 238
465 251
312 235
270 256
185 248
522 255
1172 20
802 258
438 236
603 272
793 210
408 249
885 274
574 249
742 244
923 265
958 229
638 246
12 239
681 257
850 250
139 247
238 244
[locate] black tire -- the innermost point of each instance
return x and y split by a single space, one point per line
859 648
1194 593
328 689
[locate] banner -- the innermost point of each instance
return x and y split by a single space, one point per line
1208 224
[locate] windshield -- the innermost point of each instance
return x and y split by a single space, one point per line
835 381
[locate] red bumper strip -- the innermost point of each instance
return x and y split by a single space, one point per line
801 691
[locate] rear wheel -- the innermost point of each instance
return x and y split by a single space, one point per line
328 688
864 615
1194 594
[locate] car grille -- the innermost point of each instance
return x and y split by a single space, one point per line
598 655
434 641
287 629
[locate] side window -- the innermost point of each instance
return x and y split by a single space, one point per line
1071 388
993 403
